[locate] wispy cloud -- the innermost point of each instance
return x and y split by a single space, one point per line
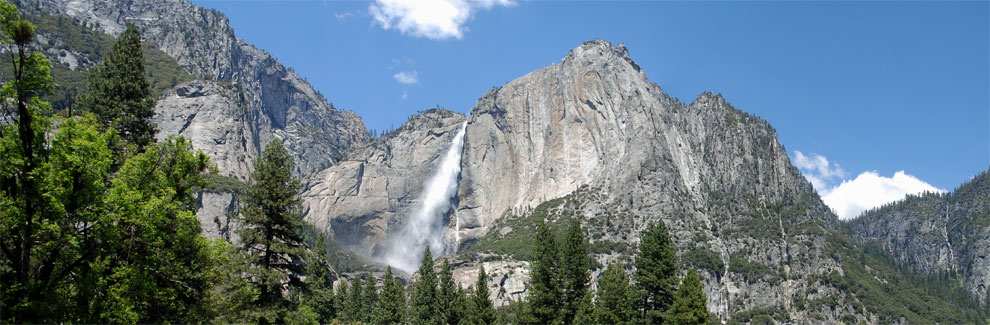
849 198
818 170
343 15
407 78
433 19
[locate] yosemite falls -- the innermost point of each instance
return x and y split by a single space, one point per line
425 226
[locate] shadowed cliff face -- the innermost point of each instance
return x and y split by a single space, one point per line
937 233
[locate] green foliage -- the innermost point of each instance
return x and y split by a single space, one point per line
574 267
424 305
447 297
656 268
271 232
369 298
354 301
753 271
613 305
517 242
544 299
119 93
391 308
585 311
704 259
319 281
479 307
690 302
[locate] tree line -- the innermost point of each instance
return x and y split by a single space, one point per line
98 225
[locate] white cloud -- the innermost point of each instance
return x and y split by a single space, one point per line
818 170
870 190
433 19
405 94
849 198
407 78
343 16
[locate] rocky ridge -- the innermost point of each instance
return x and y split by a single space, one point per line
937 233
272 100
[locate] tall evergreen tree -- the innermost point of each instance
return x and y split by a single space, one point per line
575 270
271 232
613 305
656 268
690 303
370 300
447 295
391 308
355 299
543 302
585 311
119 93
340 300
319 280
480 308
424 303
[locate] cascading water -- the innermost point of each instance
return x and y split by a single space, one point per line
426 227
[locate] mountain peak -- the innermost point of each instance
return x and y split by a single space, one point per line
599 51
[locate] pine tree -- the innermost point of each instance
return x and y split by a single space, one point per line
690 303
340 300
447 296
319 280
656 267
543 305
613 305
585 311
355 298
574 267
424 303
480 308
370 294
119 93
270 232
391 307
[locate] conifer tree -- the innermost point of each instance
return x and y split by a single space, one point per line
574 267
424 303
447 296
370 294
355 298
480 308
119 93
690 303
340 300
656 267
585 311
613 305
270 232
319 280
391 307
543 302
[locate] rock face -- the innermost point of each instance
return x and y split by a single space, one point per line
715 175
938 233
270 100
363 200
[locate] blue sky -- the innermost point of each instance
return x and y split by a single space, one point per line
875 87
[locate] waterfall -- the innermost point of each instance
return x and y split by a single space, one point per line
426 226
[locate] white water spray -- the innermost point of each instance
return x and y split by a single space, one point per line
426 227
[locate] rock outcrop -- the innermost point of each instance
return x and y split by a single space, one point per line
272 100
364 199
937 233
715 175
